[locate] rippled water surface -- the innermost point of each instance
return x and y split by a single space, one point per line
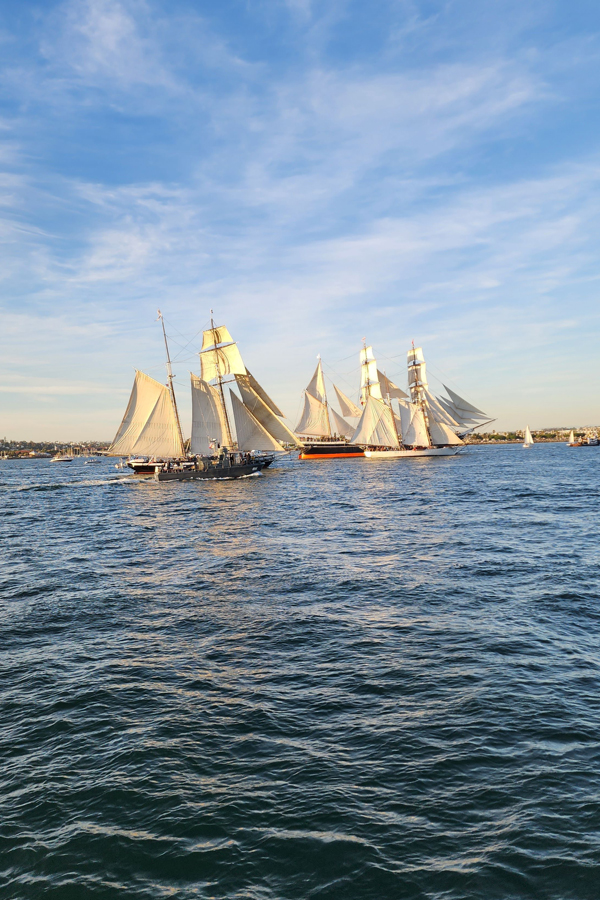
341 679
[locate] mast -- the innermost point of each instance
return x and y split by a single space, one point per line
220 383
325 398
417 389
389 403
170 384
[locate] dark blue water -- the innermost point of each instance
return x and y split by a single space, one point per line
349 679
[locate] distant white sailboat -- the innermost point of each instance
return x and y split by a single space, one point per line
528 442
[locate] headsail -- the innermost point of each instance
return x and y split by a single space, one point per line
376 426
463 405
263 394
346 405
442 435
341 427
149 426
264 413
251 435
208 424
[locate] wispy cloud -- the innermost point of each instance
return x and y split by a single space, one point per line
155 156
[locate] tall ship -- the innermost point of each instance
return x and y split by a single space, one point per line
150 434
325 433
421 425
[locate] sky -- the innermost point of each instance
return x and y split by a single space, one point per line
315 172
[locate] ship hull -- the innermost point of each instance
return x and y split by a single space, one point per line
334 450
211 469
411 454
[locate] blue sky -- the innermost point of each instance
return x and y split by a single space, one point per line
315 172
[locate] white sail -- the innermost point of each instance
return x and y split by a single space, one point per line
417 375
263 394
264 414
314 420
389 389
438 412
572 438
528 442
441 434
369 381
463 405
221 361
251 435
212 337
316 387
208 423
347 406
414 430
149 426
376 426
417 372
341 427
462 419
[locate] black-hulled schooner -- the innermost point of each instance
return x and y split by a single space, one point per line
150 433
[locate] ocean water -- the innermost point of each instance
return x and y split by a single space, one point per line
341 679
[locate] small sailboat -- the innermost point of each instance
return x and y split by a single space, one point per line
528 442
63 456
572 442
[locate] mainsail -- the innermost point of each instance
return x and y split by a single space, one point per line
251 435
414 429
316 386
346 405
314 420
208 424
149 426
376 426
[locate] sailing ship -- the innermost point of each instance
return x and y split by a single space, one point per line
425 425
151 426
317 419
528 442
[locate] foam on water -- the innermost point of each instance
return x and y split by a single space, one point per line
344 679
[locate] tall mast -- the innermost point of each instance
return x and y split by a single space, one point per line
325 398
220 383
389 403
417 392
171 388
